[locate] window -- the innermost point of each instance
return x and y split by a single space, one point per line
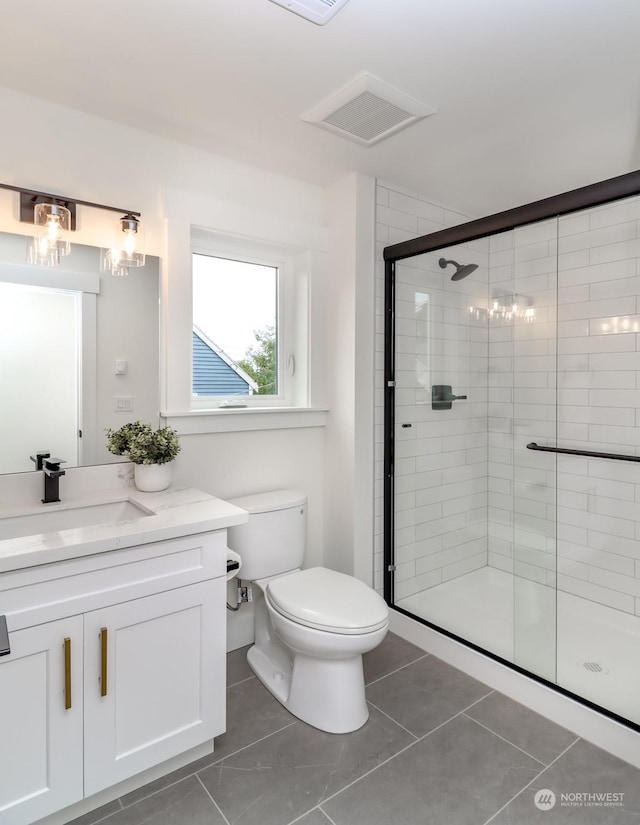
235 328
249 325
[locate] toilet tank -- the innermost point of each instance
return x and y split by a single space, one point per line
273 540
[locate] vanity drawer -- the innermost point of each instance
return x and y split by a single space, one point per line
45 593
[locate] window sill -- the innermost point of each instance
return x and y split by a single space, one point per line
235 420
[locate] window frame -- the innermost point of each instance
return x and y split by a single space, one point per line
291 330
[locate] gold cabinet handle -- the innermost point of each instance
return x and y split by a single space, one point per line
67 674
103 661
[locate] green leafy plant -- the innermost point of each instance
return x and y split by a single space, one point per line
118 440
142 444
260 361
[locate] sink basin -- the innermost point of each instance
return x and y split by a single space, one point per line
47 521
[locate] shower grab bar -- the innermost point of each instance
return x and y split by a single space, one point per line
589 453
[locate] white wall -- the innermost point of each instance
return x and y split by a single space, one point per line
175 186
235 464
349 378
97 160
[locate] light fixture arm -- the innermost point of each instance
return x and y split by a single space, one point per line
30 197
57 215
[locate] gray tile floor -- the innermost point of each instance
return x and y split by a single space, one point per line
439 748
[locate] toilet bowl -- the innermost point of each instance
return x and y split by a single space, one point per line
312 626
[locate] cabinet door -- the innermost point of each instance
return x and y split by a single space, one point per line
154 680
41 721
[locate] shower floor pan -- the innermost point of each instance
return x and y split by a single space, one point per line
596 654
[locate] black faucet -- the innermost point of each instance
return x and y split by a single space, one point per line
51 473
39 457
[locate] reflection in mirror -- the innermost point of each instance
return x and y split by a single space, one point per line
78 353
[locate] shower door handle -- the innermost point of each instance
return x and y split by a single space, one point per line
586 453
442 397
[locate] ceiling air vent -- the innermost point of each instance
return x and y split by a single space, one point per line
367 110
318 11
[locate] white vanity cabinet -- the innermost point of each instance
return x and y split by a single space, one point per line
41 721
117 664
148 681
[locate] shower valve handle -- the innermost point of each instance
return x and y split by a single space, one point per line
442 396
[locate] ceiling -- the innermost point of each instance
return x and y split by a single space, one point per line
531 98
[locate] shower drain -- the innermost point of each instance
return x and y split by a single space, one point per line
594 667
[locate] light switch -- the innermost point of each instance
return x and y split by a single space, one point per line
123 403
121 366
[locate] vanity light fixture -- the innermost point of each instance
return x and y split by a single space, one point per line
127 249
52 242
55 217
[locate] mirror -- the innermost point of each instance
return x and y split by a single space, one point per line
78 353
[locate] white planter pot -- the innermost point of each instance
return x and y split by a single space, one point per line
150 478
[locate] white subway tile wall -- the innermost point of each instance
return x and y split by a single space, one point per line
468 492
598 402
522 402
441 455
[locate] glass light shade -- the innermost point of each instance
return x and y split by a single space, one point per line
54 222
39 252
110 262
129 247
120 271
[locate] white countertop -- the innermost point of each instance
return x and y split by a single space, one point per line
174 512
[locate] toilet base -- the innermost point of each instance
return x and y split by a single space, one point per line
328 695
317 676
275 676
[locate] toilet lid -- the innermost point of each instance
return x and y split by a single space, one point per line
327 600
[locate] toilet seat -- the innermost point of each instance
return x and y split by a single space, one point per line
326 600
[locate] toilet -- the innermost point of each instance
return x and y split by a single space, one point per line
311 626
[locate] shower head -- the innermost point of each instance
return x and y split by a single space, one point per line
462 270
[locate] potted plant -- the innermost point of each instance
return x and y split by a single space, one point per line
151 452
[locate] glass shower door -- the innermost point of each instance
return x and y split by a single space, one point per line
525 270
474 510
440 449
598 498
